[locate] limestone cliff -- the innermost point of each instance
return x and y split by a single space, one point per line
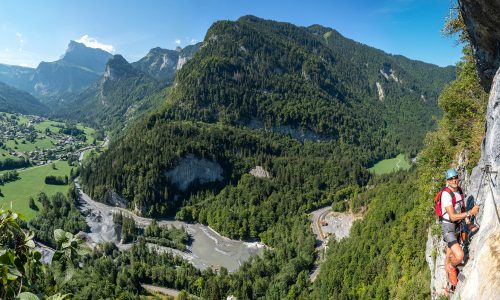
482 271
480 277
482 24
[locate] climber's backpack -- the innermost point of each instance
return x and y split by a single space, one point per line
437 199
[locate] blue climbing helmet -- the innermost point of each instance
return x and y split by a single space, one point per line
451 173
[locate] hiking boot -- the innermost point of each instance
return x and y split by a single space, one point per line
452 274
446 292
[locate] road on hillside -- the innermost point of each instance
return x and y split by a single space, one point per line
163 290
337 225
316 217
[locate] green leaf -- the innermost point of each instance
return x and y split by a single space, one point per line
29 236
57 255
7 258
58 296
11 276
70 271
30 244
15 272
83 250
37 255
60 236
69 235
27 296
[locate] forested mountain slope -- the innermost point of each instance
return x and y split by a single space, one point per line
246 98
117 96
274 75
385 256
16 101
15 76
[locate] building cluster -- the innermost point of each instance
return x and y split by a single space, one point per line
64 147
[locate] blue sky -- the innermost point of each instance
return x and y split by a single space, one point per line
32 31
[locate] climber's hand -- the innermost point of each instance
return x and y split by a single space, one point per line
474 211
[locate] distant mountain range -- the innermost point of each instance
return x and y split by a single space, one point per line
119 94
76 70
53 81
13 100
62 85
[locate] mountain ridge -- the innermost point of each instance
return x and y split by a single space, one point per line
13 100
277 74
163 64
118 95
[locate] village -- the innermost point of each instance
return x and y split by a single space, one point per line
39 140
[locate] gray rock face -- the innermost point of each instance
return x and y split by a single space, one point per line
483 27
192 169
481 272
435 256
163 64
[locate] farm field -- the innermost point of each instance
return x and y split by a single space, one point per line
31 183
390 165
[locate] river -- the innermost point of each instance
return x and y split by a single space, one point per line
208 248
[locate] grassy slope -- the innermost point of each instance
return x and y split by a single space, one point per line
30 184
390 165
44 142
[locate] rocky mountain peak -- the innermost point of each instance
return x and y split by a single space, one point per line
118 67
91 58
164 63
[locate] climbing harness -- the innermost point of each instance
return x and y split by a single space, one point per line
465 234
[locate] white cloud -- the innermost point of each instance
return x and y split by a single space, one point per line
178 42
20 37
93 43
194 41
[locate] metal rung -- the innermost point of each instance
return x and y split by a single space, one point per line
487 169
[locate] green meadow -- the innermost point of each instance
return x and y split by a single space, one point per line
4 154
31 183
25 146
51 125
390 165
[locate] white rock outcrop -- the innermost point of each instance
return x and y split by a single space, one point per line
181 62
259 172
380 91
